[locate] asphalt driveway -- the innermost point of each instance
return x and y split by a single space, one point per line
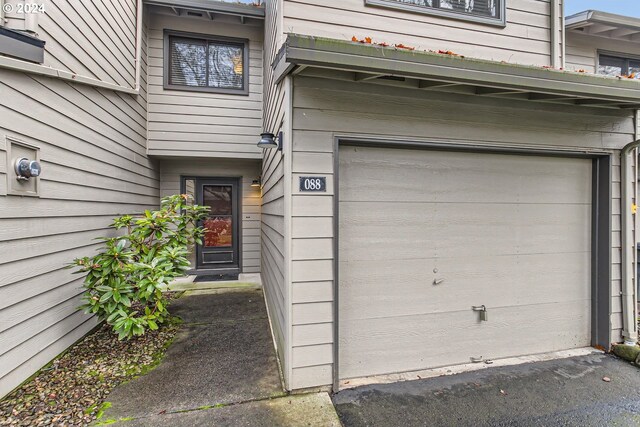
566 392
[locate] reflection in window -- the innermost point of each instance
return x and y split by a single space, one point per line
619 66
218 232
206 63
485 8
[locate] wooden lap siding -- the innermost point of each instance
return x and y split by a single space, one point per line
274 235
201 124
524 40
92 147
324 108
248 170
582 50
94 167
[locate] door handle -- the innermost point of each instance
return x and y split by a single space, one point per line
484 317
438 281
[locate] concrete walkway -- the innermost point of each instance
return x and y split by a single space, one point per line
564 392
221 370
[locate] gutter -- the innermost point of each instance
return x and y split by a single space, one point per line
581 19
138 61
554 16
629 305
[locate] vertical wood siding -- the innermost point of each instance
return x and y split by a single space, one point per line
273 189
200 124
582 50
324 108
171 171
524 40
94 167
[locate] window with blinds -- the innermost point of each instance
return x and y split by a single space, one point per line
206 64
488 11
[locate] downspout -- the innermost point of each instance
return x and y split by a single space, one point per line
563 37
553 28
629 305
138 45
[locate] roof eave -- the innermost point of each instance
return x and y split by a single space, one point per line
247 11
309 51
597 17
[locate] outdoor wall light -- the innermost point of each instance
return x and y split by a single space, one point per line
256 183
269 140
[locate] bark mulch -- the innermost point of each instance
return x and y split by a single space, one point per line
73 389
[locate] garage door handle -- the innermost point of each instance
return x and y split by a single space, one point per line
438 281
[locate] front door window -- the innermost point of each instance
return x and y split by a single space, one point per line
220 247
219 225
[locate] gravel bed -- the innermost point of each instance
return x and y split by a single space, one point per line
73 389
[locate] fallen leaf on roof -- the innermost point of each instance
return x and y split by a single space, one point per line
447 52
401 46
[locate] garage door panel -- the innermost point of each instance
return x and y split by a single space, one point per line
412 343
509 232
387 231
407 287
414 175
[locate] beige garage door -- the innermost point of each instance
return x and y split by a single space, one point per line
426 235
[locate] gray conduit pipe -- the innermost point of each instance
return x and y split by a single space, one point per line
629 303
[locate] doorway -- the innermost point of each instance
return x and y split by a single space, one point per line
220 248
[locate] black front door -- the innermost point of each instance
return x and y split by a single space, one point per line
221 243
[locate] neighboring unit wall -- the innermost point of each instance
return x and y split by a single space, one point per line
94 167
524 40
92 145
326 108
582 50
200 124
274 223
171 170
91 38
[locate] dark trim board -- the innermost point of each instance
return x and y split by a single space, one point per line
166 63
601 226
601 241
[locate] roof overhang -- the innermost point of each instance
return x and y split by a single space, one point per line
435 71
603 24
212 7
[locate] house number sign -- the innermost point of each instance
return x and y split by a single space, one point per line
313 184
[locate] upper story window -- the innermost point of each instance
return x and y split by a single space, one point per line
207 64
483 11
611 65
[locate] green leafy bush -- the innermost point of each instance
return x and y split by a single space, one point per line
124 281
